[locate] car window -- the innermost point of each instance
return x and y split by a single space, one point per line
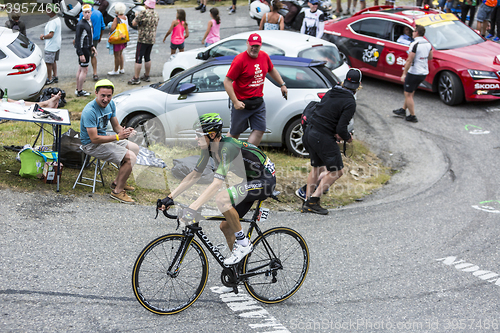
208 79
451 35
236 46
299 77
398 30
22 46
2 55
373 27
327 53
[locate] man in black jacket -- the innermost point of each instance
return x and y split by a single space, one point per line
84 48
326 126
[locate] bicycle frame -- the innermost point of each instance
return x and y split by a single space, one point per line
195 229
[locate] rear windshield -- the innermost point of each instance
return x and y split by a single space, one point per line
22 46
327 53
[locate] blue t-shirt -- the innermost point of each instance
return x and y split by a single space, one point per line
97 23
93 116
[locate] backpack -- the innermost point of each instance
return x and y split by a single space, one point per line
307 114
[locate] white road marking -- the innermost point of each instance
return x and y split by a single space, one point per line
463 266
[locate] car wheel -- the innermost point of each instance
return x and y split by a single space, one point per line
149 130
293 139
130 18
450 89
71 23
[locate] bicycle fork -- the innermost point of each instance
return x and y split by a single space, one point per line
174 268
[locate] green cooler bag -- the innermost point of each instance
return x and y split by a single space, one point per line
32 162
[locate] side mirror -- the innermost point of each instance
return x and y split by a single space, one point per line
185 89
200 56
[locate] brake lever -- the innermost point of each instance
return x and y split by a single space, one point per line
158 205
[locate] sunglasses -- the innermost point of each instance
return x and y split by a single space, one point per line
200 134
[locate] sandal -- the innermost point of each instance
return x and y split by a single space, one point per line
96 77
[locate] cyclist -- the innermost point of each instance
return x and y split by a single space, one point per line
242 158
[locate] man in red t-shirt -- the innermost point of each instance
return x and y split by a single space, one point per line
244 83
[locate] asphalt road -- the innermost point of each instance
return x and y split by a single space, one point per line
420 255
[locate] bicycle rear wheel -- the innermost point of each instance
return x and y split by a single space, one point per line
164 293
282 275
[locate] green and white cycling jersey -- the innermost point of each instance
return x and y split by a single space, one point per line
242 158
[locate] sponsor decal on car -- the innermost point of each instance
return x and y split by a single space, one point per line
370 54
436 18
487 86
400 61
390 59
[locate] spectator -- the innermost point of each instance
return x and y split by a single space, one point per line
495 21
327 125
179 30
406 37
273 20
53 39
314 20
483 14
212 35
147 22
232 9
362 4
244 84
202 7
84 48
111 148
468 5
293 9
98 27
15 23
415 70
421 3
118 48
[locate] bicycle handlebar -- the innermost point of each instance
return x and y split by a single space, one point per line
165 212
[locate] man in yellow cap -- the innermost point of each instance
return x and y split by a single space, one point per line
112 148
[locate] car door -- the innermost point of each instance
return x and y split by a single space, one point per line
209 96
395 54
367 45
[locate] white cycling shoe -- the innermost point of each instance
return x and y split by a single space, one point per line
239 252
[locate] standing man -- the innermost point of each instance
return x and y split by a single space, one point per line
327 125
52 38
415 70
484 15
111 148
15 23
98 27
244 83
84 49
147 22
313 23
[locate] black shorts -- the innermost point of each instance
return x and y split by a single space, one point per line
143 50
243 195
323 149
412 82
86 54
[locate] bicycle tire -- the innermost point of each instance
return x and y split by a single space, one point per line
163 294
293 254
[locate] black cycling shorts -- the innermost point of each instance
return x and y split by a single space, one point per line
412 82
323 149
243 195
143 50
86 54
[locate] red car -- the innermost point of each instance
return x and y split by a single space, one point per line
464 65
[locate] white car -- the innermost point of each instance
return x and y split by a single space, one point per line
22 68
274 42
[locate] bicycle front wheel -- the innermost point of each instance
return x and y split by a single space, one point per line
280 275
168 292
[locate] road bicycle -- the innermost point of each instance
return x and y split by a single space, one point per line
171 272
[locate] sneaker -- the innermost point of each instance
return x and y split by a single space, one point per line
400 112
126 187
496 39
489 36
95 77
301 193
411 118
225 290
232 11
55 79
239 252
199 7
122 197
49 81
134 81
145 78
121 71
203 9
312 206
229 8
113 73
81 93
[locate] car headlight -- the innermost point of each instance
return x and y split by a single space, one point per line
476 75
120 98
